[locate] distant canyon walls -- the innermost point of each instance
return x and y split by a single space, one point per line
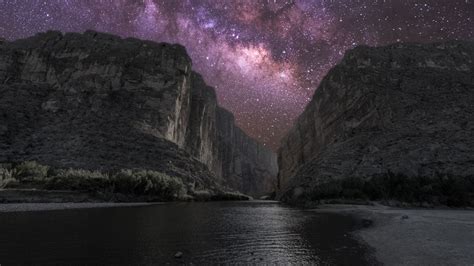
404 109
97 101
214 138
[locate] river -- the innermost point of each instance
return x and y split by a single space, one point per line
254 232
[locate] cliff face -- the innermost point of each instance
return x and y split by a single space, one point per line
212 136
405 109
201 135
97 101
243 159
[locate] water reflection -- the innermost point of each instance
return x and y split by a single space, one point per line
219 232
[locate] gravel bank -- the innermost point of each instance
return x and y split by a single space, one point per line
415 236
22 207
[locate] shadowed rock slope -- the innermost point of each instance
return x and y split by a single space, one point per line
97 101
404 110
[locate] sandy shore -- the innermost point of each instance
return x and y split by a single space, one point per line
415 236
22 207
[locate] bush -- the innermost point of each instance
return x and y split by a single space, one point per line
128 182
150 183
82 180
202 195
31 170
157 185
6 177
327 190
440 190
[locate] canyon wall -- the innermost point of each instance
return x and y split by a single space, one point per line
217 141
98 101
243 158
403 109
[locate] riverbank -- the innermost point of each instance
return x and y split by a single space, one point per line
31 182
28 207
414 236
68 196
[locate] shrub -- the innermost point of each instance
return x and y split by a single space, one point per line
6 177
442 189
156 185
128 182
82 180
202 195
331 189
150 183
31 170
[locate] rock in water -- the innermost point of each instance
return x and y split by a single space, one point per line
367 223
404 109
97 101
178 255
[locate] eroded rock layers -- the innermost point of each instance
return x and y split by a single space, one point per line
97 101
404 109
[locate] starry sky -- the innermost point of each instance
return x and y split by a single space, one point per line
265 58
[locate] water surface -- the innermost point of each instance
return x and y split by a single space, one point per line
216 232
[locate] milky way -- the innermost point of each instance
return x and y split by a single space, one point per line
265 58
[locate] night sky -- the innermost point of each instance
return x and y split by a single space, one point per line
264 57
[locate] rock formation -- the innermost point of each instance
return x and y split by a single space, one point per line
405 109
213 137
243 158
97 101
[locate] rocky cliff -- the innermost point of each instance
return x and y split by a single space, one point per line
243 159
97 101
404 109
213 137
